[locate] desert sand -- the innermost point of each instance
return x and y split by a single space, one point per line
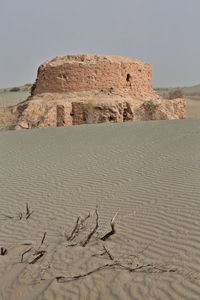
8 98
147 172
193 107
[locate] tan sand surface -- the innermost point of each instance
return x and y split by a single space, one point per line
193 107
148 172
8 98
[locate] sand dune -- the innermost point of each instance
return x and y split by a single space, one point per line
148 172
193 107
8 98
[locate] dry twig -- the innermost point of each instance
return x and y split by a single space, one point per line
20 216
83 244
44 236
108 253
74 231
147 268
9 217
62 279
4 251
112 224
39 255
28 212
22 256
84 219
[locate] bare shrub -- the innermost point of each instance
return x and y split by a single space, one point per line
150 107
27 87
174 94
15 89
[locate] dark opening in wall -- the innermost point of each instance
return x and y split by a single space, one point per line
128 77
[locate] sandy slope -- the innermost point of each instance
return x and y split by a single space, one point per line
11 98
148 172
193 107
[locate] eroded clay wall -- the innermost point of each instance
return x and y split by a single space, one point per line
102 73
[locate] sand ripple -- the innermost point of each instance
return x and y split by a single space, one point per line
147 171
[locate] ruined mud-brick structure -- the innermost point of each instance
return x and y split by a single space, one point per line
76 73
78 89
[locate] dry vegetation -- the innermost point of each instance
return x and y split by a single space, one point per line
7 119
91 116
171 94
150 107
190 92
82 236
174 94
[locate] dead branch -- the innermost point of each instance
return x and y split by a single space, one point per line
108 253
135 268
22 256
112 224
39 255
149 268
44 236
20 216
162 270
28 216
72 245
9 217
99 254
83 244
27 209
104 252
146 268
84 219
77 228
28 212
62 279
4 251
74 231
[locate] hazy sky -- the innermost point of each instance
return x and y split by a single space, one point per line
165 33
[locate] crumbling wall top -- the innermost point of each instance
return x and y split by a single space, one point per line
72 73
